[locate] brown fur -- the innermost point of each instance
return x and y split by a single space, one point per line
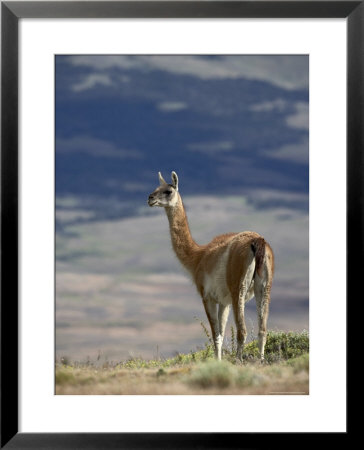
201 259
239 260
258 247
186 249
211 255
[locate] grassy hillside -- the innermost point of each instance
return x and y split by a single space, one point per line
285 371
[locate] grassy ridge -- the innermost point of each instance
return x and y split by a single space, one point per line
285 371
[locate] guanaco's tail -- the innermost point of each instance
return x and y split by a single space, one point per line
258 247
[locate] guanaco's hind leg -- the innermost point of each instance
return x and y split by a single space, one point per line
262 296
239 309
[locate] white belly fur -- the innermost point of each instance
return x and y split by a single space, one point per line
215 287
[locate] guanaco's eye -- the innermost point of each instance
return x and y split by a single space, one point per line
168 192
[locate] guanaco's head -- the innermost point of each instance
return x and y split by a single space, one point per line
166 194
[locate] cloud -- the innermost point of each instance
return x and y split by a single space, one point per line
94 147
90 81
297 153
211 147
300 119
286 71
297 202
171 106
274 105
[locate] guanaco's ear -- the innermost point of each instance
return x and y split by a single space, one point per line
174 180
161 179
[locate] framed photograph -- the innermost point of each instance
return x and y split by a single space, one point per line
115 325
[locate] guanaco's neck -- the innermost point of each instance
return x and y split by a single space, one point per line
186 249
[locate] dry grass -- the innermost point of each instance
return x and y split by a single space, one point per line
284 372
209 377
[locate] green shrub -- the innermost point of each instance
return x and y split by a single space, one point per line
220 374
246 377
223 374
301 363
65 377
280 346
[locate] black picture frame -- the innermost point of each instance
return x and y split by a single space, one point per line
11 12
